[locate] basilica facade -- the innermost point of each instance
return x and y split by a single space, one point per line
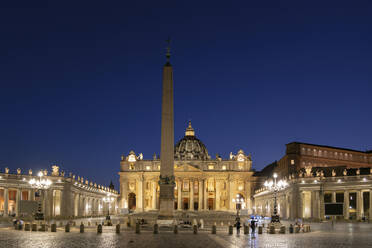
202 183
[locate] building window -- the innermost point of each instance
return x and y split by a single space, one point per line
148 167
223 167
292 162
328 197
210 167
131 166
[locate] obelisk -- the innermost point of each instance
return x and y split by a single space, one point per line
166 180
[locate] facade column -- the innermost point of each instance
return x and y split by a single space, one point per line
191 200
124 193
218 194
6 202
231 194
205 182
200 194
248 201
333 196
346 204
370 204
153 194
359 204
179 194
229 201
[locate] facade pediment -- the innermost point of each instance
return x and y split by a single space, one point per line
187 167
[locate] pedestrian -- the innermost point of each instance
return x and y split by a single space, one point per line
253 227
238 227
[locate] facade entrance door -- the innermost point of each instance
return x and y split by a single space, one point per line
185 203
210 203
132 201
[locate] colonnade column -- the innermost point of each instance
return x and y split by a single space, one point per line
346 205
140 193
359 204
229 203
179 194
154 194
6 200
18 201
334 196
200 194
191 207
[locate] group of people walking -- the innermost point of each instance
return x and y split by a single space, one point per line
252 223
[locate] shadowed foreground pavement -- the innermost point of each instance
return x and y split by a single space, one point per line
342 235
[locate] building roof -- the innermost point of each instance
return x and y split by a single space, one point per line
332 147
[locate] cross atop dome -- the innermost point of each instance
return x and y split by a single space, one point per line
189 130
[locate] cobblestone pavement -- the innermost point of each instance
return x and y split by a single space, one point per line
341 235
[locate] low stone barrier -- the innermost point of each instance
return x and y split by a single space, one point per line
259 229
230 229
175 229
282 230
297 229
81 227
138 228
118 228
156 228
67 228
99 228
34 227
42 228
246 229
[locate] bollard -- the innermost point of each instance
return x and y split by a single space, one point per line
297 229
138 228
290 228
67 228
246 229
282 230
156 228
214 229
53 227
88 223
195 229
27 227
20 227
272 229
81 227
259 229
175 229
42 228
230 230
99 228
118 228
34 227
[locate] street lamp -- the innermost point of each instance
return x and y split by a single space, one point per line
40 184
239 200
108 200
275 186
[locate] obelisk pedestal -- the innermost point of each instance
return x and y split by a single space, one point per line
166 180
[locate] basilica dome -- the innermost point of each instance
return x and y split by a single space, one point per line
190 148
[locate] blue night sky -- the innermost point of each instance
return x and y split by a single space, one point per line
81 81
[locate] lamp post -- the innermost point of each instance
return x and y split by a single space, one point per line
40 184
238 201
108 200
275 186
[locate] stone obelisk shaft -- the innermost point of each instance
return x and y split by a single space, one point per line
166 181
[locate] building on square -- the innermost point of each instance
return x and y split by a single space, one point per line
65 196
202 183
319 176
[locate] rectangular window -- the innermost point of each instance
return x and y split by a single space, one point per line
24 195
339 197
327 197
353 200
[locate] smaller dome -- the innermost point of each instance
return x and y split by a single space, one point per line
190 148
